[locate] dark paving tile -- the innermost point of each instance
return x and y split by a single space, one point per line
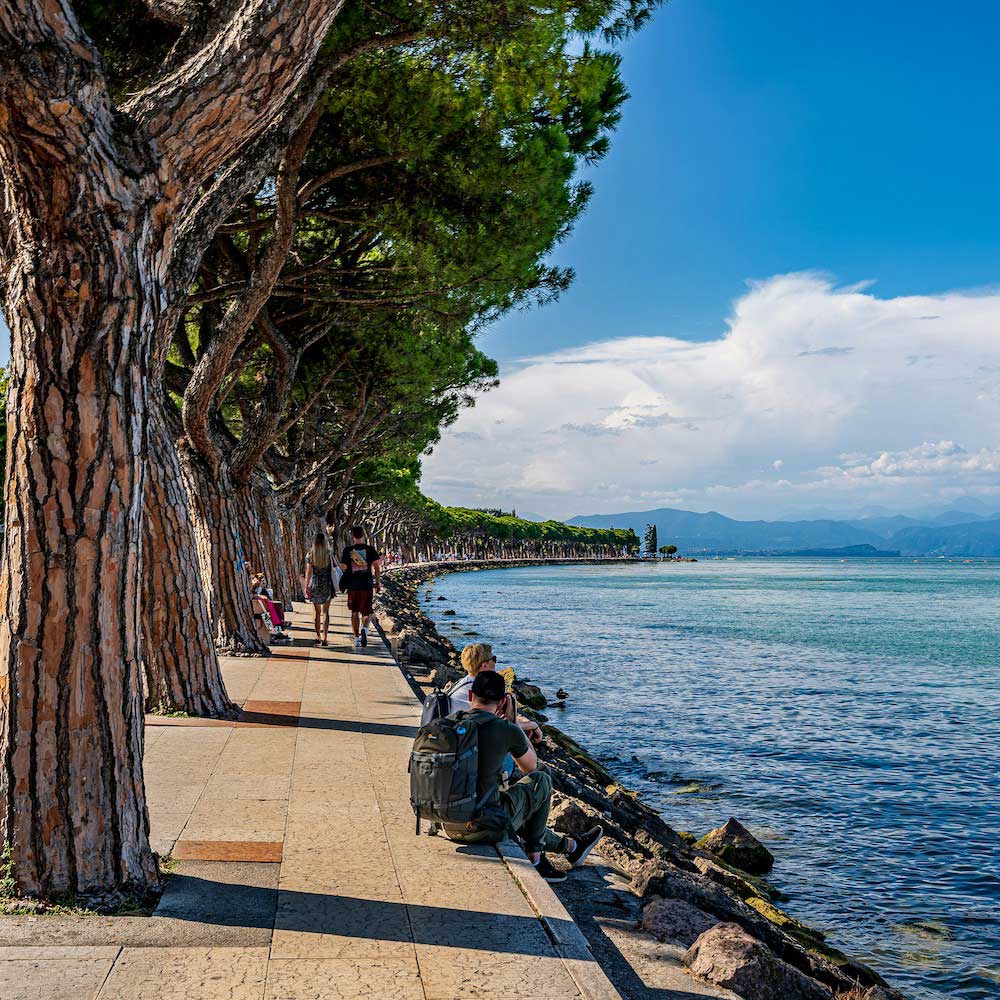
227 850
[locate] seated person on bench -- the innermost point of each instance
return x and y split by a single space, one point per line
268 614
523 809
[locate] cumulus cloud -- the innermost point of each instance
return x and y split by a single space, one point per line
868 400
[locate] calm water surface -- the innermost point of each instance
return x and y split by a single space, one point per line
848 713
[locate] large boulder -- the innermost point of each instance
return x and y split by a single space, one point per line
675 920
737 846
727 956
530 695
418 650
571 817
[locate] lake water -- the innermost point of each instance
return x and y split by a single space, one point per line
848 713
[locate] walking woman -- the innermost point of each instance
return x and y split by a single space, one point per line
319 583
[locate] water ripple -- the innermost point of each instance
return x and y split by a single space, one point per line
850 714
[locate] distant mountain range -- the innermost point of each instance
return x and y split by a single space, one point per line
948 533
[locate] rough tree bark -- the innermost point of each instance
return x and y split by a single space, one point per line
83 266
293 546
178 656
90 206
265 505
222 555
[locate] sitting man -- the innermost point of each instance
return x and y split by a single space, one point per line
523 809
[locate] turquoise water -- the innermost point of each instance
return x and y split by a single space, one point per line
848 713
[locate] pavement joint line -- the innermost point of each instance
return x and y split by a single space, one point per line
107 975
284 837
421 978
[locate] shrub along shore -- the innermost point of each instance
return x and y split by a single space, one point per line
706 895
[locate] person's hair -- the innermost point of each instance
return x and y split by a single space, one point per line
474 656
489 687
320 554
358 532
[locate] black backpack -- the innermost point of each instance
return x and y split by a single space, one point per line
444 769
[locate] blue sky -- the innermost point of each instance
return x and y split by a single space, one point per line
764 137
788 280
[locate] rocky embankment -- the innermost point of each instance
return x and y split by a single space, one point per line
709 896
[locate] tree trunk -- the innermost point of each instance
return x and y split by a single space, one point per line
81 297
89 209
222 556
272 543
179 660
293 552
248 523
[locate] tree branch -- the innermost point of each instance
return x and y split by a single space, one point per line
242 312
204 112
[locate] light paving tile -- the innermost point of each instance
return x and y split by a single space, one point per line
187 973
236 819
454 974
343 979
53 979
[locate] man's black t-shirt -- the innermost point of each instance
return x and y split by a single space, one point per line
497 738
358 559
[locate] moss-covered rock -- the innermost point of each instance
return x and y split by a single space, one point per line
802 933
737 846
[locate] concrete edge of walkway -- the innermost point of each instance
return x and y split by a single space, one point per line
568 940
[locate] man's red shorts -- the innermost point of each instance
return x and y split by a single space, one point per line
360 601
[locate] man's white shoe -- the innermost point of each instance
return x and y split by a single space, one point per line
357 642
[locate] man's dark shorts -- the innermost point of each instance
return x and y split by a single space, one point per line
360 601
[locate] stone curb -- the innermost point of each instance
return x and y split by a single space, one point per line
567 938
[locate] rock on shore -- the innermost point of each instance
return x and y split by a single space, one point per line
705 896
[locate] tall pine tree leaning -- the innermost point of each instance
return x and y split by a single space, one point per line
96 196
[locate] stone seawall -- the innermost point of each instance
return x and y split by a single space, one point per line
707 896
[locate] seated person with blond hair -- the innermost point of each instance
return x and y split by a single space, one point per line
477 657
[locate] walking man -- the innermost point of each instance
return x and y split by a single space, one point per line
362 580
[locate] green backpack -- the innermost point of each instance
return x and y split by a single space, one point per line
444 769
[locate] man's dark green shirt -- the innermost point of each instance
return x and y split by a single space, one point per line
497 738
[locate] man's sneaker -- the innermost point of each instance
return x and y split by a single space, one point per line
585 843
549 872
364 637
357 642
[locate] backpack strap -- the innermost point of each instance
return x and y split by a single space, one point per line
486 798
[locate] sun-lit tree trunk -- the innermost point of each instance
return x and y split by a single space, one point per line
92 197
81 297
179 660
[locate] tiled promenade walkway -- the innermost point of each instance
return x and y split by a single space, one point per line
297 872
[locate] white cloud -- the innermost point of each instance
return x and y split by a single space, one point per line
868 400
